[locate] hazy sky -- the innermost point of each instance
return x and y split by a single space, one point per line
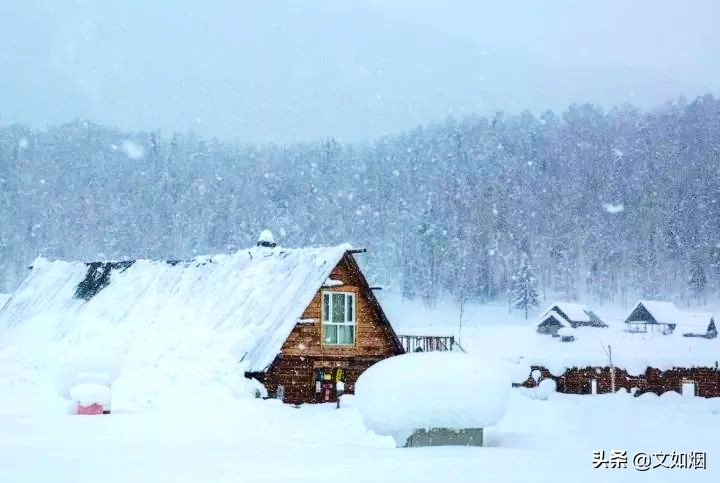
300 70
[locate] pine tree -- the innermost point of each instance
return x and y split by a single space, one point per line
524 292
697 280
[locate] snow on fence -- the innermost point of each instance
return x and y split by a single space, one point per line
429 343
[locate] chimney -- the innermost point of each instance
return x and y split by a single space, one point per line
266 239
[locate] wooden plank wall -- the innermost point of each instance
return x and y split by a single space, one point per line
370 337
577 380
303 350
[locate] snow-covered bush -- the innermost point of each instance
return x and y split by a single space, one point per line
431 390
546 388
670 395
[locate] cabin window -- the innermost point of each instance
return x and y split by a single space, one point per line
338 318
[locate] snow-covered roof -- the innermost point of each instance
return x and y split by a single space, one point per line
631 351
246 303
696 319
551 313
662 312
575 312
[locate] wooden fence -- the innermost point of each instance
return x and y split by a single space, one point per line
429 343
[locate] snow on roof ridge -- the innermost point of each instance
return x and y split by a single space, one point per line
574 311
552 313
41 261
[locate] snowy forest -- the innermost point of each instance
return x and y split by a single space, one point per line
609 205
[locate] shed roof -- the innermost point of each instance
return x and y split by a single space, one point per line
247 302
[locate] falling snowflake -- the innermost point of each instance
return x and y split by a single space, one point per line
133 150
613 208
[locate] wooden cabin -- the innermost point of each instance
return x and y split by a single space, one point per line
551 322
654 316
341 333
302 321
567 315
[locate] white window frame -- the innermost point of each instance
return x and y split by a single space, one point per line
325 316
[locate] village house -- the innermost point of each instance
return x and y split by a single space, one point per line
654 316
303 322
567 315
658 360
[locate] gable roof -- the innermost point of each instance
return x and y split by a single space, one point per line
573 312
552 315
248 302
661 312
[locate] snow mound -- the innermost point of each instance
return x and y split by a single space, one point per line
431 390
87 394
546 388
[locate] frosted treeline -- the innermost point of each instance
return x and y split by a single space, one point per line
608 205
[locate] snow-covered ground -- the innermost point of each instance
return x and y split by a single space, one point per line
259 440
186 432
495 332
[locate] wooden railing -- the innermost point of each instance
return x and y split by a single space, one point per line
429 343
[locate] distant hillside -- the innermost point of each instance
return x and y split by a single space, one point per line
605 204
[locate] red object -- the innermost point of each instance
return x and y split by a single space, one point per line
90 409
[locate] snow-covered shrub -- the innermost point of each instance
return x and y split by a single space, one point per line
431 390
648 395
670 395
546 388
536 374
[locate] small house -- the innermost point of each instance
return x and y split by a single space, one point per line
654 316
567 315
303 322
